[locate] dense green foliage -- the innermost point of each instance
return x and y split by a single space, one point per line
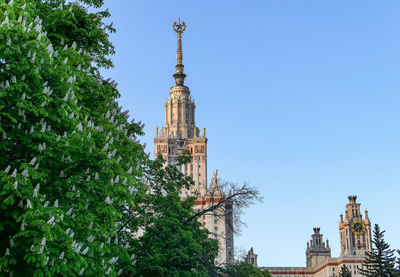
171 245
344 271
380 261
69 164
242 269
398 262
76 187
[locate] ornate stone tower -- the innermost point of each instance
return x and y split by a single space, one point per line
180 132
251 257
180 129
317 251
355 232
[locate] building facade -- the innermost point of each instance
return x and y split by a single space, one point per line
355 240
180 132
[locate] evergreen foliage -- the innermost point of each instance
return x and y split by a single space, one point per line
380 261
344 271
398 262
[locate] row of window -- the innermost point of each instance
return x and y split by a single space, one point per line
355 267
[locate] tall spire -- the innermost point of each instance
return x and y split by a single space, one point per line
179 76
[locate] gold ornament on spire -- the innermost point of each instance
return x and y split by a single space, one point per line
179 27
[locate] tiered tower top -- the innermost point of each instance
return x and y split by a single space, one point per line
179 107
355 230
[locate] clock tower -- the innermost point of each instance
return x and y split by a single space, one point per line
355 232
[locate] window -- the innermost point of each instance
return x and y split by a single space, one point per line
215 228
215 221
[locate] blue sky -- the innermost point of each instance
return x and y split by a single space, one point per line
299 98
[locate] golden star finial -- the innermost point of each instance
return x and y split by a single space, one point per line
179 27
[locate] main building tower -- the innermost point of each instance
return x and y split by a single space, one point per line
180 132
180 129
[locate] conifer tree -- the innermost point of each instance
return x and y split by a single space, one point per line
70 166
380 261
344 271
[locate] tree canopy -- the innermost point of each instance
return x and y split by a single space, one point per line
242 269
171 245
79 195
70 165
344 271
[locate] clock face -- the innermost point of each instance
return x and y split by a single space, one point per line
358 227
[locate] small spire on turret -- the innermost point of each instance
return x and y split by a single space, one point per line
352 199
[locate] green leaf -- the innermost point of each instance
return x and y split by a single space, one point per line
9 200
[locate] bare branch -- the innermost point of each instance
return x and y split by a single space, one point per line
228 194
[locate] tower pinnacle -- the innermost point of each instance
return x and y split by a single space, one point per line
179 76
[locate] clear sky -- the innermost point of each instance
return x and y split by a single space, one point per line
299 98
